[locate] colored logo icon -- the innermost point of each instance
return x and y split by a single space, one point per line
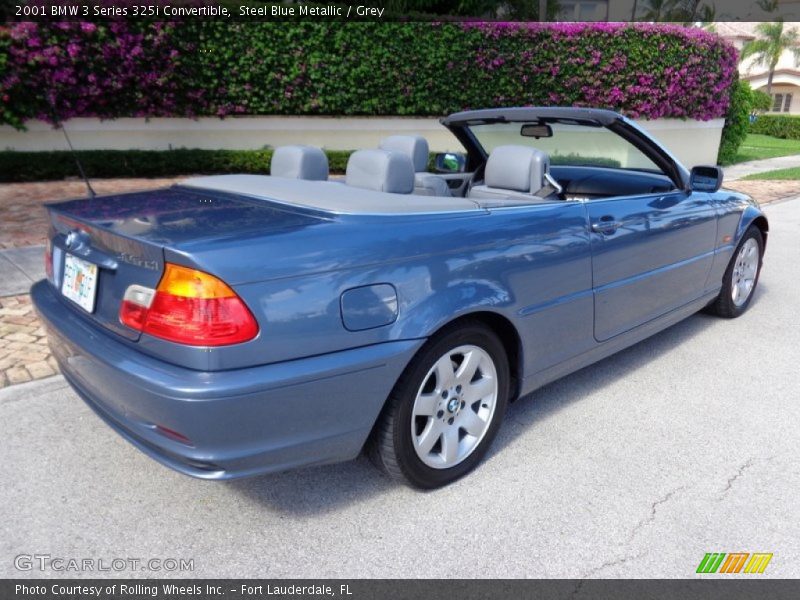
737 562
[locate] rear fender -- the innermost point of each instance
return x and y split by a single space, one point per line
460 298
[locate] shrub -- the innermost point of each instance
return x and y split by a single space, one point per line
42 166
779 126
586 161
737 122
762 101
116 69
108 70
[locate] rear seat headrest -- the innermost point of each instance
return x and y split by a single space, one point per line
518 168
413 146
299 162
380 170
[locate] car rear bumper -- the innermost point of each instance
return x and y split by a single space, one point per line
240 422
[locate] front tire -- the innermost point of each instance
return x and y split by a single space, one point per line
741 277
445 409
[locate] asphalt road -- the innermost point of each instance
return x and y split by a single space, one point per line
635 467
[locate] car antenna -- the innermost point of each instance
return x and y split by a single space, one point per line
89 189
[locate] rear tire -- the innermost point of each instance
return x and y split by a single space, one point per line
445 409
741 277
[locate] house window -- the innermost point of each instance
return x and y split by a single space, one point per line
781 102
583 10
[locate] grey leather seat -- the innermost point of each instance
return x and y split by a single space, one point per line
299 162
515 175
380 170
416 148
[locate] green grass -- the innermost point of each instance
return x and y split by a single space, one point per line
756 146
781 174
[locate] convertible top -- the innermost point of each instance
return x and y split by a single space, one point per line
533 113
329 196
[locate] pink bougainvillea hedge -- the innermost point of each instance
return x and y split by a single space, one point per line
121 69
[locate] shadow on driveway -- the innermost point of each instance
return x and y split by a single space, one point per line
324 489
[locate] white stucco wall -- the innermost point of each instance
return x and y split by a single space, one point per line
693 142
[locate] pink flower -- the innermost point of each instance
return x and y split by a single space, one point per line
119 68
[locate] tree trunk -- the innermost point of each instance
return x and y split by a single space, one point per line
769 81
633 12
693 14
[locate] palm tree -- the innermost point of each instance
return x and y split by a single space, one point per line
657 10
767 49
677 11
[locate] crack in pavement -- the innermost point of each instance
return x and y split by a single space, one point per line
653 508
629 557
750 462
609 563
739 472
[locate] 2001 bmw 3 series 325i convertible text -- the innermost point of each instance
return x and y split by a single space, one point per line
243 324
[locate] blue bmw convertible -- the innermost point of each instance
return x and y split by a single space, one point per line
244 324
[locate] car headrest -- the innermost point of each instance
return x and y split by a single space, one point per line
518 168
413 146
380 170
299 162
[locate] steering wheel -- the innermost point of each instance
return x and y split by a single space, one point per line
477 175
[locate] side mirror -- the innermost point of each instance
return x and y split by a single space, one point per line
705 179
449 162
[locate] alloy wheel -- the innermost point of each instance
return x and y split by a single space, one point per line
744 274
454 406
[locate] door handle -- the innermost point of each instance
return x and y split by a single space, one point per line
606 225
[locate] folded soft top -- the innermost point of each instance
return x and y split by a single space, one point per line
329 196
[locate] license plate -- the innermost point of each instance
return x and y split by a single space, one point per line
80 282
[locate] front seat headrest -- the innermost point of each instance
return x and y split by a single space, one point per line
299 162
518 168
413 146
380 170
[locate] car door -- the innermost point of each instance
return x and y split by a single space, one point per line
650 254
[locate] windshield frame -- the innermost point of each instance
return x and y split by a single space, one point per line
459 125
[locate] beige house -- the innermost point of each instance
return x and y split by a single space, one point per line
786 80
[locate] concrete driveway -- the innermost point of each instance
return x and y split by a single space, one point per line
635 467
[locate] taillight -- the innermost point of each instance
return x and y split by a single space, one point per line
48 261
135 303
189 307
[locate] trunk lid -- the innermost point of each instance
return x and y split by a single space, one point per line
101 246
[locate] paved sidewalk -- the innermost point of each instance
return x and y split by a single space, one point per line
24 354
20 268
744 169
766 191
